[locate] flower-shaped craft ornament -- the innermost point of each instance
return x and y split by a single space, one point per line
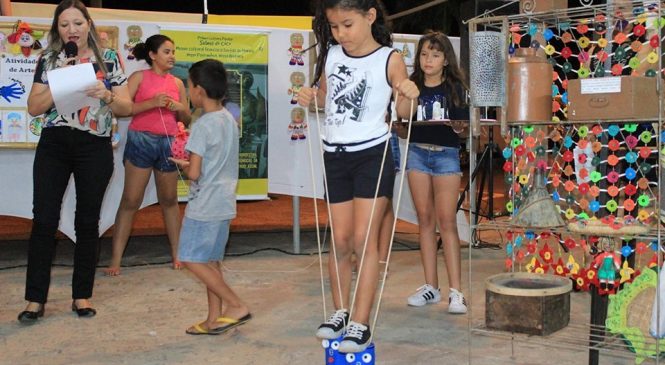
582 281
546 254
560 268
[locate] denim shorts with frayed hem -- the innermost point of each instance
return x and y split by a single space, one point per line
441 161
147 150
202 241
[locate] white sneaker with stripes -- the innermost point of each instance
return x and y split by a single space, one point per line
426 294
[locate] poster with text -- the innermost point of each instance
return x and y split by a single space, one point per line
245 57
21 44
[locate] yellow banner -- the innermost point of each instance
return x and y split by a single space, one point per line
227 47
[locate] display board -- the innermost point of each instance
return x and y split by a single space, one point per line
21 43
245 56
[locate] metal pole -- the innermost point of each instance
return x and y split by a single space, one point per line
204 16
296 223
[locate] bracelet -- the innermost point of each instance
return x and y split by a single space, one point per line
112 99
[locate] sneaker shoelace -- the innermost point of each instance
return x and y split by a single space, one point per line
457 297
337 318
354 331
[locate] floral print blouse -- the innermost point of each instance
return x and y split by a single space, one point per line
96 120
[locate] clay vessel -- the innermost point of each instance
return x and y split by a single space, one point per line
529 87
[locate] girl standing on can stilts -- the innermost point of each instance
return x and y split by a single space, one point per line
357 71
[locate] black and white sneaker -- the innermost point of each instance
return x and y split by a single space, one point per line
357 338
334 326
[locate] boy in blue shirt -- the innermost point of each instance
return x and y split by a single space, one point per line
213 172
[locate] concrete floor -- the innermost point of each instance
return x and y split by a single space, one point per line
142 314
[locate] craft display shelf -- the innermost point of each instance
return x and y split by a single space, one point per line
506 225
622 180
571 123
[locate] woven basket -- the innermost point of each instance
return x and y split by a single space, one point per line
598 228
639 317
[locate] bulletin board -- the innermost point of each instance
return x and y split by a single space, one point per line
21 43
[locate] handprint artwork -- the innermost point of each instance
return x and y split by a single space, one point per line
12 91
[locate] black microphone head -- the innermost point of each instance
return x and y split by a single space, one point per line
71 49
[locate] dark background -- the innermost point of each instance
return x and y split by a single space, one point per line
444 17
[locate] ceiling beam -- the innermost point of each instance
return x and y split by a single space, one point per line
413 10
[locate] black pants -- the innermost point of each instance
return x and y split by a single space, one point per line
61 152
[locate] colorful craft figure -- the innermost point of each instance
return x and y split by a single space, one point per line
24 39
298 126
297 82
607 263
134 34
295 51
179 142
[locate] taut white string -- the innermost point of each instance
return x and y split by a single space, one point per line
316 209
399 198
371 216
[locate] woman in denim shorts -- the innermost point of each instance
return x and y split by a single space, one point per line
433 167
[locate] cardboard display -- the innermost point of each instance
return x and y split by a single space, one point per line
623 97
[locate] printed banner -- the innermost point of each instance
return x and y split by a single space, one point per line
229 48
245 57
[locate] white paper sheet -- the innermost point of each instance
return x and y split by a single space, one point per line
68 85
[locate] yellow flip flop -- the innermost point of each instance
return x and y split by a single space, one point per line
198 329
229 323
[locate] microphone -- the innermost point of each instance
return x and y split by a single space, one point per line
71 50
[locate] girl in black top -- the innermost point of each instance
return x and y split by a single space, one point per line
433 166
